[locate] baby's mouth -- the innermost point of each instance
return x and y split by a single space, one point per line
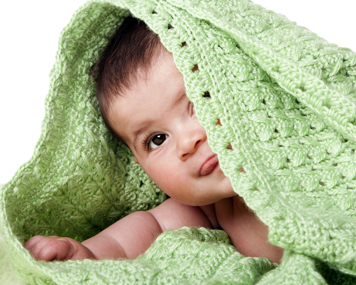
209 165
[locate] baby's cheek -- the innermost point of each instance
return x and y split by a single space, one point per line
161 177
172 183
169 181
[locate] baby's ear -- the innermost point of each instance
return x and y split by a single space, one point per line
135 159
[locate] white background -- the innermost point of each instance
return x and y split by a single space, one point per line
29 32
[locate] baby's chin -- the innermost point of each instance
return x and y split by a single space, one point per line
227 188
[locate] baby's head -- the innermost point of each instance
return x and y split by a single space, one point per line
143 103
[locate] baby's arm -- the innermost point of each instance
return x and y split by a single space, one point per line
127 238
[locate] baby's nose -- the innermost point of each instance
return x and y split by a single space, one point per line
190 141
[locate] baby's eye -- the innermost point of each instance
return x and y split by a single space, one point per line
156 141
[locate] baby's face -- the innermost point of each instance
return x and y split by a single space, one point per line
157 121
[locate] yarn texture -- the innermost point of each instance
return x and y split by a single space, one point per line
273 97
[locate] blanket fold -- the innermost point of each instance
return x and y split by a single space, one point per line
285 100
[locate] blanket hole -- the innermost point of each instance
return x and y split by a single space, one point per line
170 26
229 146
218 123
184 44
195 68
206 94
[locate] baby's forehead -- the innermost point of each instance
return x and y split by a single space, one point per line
118 117
126 118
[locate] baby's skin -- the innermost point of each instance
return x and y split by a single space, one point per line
158 123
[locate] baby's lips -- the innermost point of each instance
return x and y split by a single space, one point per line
209 165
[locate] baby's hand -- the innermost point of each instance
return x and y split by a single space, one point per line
57 248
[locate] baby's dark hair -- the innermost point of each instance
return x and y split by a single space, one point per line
132 46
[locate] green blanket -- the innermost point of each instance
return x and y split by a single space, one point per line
286 103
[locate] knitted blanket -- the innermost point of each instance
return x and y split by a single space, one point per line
285 100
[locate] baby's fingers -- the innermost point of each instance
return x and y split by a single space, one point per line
57 250
32 242
50 248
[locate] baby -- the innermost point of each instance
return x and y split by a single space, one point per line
143 102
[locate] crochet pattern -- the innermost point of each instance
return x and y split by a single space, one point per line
273 98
